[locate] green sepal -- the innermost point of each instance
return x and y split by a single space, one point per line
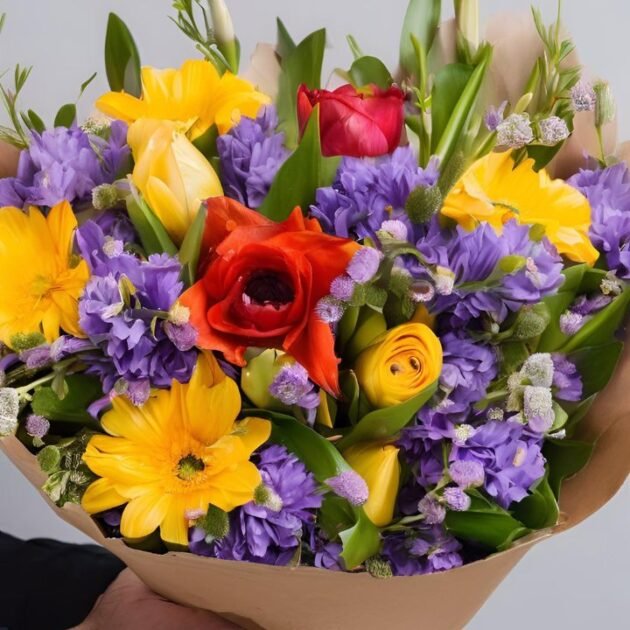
153 235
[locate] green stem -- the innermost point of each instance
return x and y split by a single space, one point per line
31 386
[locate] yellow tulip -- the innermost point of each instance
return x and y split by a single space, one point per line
379 466
172 175
495 191
194 95
399 365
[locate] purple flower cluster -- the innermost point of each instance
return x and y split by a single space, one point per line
504 457
608 191
478 286
421 550
251 154
292 386
65 164
368 192
126 312
269 534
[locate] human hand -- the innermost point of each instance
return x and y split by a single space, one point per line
128 604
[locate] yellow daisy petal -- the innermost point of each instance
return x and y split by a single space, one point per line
143 515
101 496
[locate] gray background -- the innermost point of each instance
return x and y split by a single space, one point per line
578 580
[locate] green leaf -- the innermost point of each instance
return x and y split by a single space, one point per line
82 391
601 328
285 45
86 83
596 365
485 523
387 422
539 509
335 516
370 70
300 176
122 60
464 108
207 143
302 65
36 122
153 236
450 82
360 542
560 418
191 247
421 20
565 458
351 391
355 49
66 116
553 338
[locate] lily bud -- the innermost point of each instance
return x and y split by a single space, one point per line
224 33
605 107
467 16
379 466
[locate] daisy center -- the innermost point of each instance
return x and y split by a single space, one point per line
40 286
189 466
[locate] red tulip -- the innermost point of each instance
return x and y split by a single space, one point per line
365 123
260 284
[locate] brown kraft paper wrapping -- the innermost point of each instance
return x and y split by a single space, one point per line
304 598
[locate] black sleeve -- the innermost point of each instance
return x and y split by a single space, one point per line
48 585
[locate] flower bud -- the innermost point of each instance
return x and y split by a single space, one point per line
9 410
105 197
531 322
350 486
215 523
605 107
49 459
26 341
423 203
257 377
378 567
224 35
378 465
268 497
467 16
399 365
515 131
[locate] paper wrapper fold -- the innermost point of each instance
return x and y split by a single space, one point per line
278 598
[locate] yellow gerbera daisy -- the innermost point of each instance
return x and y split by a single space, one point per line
494 191
178 453
40 279
195 95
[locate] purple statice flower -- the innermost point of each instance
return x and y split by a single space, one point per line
271 535
474 257
432 509
64 164
467 473
37 426
515 131
350 486
553 130
421 550
538 408
368 192
342 288
456 499
126 328
251 154
364 264
583 97
509 456
571 323
292 386
584 307
494 116
608 192
567 381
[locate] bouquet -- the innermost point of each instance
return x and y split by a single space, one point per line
359 329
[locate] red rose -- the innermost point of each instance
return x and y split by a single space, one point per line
261 282
365 123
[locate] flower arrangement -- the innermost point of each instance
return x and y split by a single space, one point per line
353 328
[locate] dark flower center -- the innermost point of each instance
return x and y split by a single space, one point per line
189 466
269 287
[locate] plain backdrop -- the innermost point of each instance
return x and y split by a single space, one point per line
579 580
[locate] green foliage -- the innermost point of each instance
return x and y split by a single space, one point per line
565 458
388 422
301 64
82 391
122 60
421 21
66 116
485 523
540 509
370 70
153 236
190 250
300 176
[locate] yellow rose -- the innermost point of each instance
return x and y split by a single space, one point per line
172 175
379 466
399 365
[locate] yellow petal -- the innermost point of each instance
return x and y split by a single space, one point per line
101 496
253 432
143 515
174 525
121 106
380 468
